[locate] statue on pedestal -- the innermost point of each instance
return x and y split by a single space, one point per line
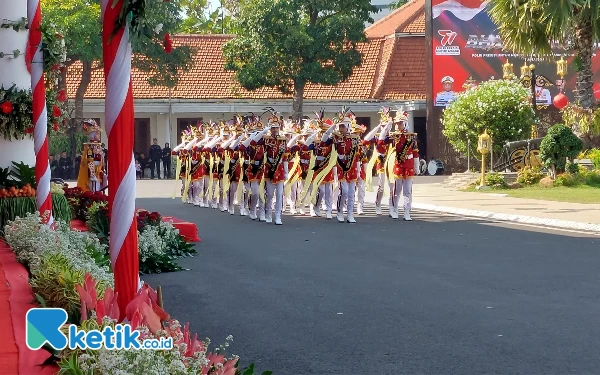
92 176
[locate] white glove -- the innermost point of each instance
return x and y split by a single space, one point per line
285 176
371 134
417 166
292 141
385 131
310 139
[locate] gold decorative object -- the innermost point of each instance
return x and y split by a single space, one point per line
507 70
561 67
483 147
469 83
526 70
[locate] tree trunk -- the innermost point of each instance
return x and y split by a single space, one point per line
75 123
298 100
584 49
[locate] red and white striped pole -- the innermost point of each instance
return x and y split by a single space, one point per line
118 110
40 116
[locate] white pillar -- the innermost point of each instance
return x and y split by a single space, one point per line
411 121
14 71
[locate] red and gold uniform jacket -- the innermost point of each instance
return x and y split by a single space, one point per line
406 151
198 170
323 153
183 156
305 152
363 159
235 166
348 149
253 165
277 154
380 162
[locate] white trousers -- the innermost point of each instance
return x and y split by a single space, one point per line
294 192
336 197
256 200
360 189
346 199
403 187
380 189
205 185
325 191
198 191
245 203
233 186
277 191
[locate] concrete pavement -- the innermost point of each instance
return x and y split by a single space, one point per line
439 295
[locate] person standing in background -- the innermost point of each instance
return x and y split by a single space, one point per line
65 166
166 160
155 156
53 166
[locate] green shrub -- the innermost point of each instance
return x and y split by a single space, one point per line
530 176
498 106
594 155
572 168
559 144
494 180
589 177
566 179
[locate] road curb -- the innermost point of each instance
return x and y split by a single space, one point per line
553 223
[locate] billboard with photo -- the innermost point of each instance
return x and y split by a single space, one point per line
467 48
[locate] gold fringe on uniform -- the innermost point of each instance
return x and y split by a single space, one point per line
209 191
226 181
321 176
261 188
389 167
291 178
188 177
369 169
217 191
309 177
240 189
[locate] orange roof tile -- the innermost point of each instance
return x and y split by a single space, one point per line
409 18
208 79
392 68
406 79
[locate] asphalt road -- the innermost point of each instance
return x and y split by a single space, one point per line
439 295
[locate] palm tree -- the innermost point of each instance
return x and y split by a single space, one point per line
531 26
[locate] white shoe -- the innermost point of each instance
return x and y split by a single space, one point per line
262 216
340 217
359 210
301 211
278 220
407 216
269 219
318 212
293 211
329 214
351 219
252 215
243 212
394 214
378 210
232 211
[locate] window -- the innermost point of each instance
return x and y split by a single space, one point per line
184 123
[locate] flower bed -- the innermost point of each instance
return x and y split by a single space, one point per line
68 269
159 242
11 208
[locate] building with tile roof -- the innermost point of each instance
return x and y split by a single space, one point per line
392 74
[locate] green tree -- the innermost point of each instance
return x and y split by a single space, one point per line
286 44
500 107
199 19
397 4
559 144
79 22
531 26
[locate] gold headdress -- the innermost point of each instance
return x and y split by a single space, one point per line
92 129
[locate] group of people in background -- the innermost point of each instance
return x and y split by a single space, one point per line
156 156
65 167
324 164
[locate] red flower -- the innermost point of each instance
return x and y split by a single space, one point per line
56 111
62 96
29 130
153 217
167 44
55 67
55 127
6 107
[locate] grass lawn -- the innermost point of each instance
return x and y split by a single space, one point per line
575 194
